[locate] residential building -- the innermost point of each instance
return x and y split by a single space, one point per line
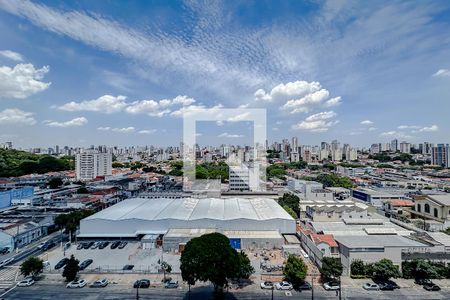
433 207
91 164
440 155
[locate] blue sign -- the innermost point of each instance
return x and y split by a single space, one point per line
7 196
235 244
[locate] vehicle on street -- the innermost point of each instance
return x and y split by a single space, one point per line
171 284
422 281
304 286
115 244
387 285
122 244
41 245
80 246
142 283
284 285
103 245
371 287
6 261
267 285
128 267
88 245
431 287
95 245
61 263
85 264
26 282
331 286
99 283
4 250
80 283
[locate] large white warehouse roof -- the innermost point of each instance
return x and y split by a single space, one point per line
146 216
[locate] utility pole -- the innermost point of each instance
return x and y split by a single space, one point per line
340 288
137 290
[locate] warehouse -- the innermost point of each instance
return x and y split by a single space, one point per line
249 222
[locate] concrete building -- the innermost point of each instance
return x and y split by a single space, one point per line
92 164
326 213
134 218
433 207
440 155
318 246
373 197
405 147
243 178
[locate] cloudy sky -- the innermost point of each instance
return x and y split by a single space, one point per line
102 72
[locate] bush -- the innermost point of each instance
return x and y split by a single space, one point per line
358 276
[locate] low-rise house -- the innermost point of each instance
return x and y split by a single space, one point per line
433 207
396 208
317 246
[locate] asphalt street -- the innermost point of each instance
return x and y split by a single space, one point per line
59 291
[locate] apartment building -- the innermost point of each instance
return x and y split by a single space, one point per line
91 164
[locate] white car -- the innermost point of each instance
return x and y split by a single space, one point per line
77 283
371 287
284 285
6 261
331 286
267 285
26 282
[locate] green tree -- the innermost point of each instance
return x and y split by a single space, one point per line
385 269
71 269
245 266
290 200
167 268
424 269
33 265
331 268
357 267
295 270
82 190
210 257
290 211
55 183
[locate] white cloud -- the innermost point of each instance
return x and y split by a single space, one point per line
104 128
147 131
106 103
306 103
442 73
11 55
333 102
319 122
372 128
123 130
22 81
80 121
403 127
196 109
220 123
431 128
159 108
366 122
398 134
291 89
228 135
240 117
14 116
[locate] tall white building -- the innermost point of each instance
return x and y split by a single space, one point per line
405 147
244 177
92 163
336 154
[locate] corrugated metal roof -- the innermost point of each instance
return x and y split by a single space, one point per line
194 209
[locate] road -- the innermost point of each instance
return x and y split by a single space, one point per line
46 291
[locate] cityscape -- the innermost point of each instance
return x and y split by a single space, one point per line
224 150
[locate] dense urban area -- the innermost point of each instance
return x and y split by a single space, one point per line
327 221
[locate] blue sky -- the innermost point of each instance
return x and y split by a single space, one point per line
122 73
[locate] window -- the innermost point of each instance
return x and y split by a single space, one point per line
427 208
419 208
435 211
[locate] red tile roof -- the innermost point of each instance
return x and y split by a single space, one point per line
400 202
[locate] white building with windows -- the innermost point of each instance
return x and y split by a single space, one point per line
91 164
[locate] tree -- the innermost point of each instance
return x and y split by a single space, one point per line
290 211
71 269
82 190
245 266
167 268
33 265
331 268
357 267
295 270
385 269
210 257
55 183
291 201
424 269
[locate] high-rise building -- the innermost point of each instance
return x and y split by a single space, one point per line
405 147
440 155
294 144
92 163
336 154
394 145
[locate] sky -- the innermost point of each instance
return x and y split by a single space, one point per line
79 73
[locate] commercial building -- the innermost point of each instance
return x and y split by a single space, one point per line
244 177
92 164
373 197
433 207
244 219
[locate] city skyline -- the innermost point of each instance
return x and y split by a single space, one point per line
86 73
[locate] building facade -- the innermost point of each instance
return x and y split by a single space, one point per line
92 164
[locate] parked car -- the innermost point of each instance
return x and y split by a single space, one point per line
4 250
115 244
80 246
88 245
284 285
103 245
305 286
331 285
95 245
371 287
80 283
122 244
171 284
26 282
61 263
128 267
99 283
431 287
85 264
48 245
267 285
387 284
142 283
422 281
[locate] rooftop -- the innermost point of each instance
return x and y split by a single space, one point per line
377 241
